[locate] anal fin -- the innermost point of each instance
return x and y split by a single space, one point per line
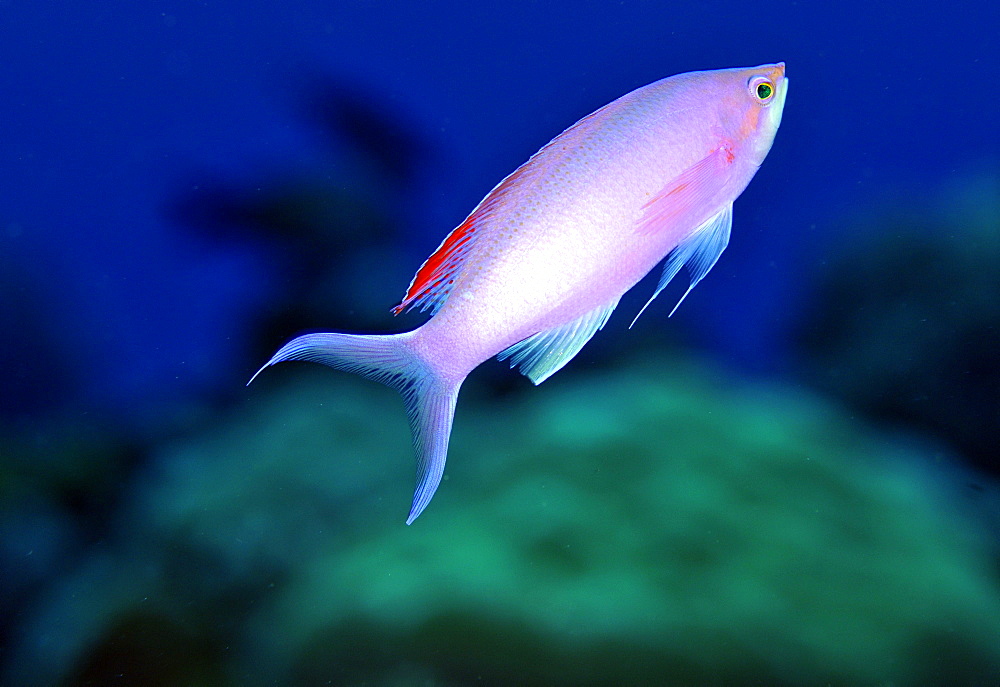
542 355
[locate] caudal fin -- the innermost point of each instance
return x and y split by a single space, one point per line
430 400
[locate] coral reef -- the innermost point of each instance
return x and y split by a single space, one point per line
659 523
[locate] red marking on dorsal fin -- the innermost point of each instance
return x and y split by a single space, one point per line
435 277
432 283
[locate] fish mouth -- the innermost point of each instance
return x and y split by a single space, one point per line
778 105
771 114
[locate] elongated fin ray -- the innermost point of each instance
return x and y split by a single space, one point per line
430 400
699 252
542 355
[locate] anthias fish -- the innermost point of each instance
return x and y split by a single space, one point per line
540 264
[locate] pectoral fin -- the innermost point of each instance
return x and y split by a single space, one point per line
688 198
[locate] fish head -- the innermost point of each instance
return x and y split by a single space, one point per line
766 88
750 113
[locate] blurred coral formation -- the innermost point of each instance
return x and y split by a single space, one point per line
662 519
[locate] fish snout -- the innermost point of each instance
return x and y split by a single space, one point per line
778 73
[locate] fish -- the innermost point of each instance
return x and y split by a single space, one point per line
541 262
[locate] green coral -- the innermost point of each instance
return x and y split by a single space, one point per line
646 525
661 524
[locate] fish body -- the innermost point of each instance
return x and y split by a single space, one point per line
539 265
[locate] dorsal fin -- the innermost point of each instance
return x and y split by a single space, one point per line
699 252
542 355
433 282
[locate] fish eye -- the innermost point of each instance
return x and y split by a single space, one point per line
762 89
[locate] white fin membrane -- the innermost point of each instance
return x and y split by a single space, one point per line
699 252
542 355
430 399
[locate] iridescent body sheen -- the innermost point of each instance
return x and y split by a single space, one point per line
542 261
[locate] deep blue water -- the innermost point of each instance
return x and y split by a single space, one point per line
114 113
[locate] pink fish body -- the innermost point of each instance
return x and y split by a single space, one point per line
540 264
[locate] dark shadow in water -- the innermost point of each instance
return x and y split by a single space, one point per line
324 229
907 328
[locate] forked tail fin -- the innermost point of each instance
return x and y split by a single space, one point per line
430 400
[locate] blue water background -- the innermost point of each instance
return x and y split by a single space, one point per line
113 111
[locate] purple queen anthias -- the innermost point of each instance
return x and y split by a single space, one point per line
540 264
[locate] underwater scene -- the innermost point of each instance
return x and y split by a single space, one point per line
790 478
